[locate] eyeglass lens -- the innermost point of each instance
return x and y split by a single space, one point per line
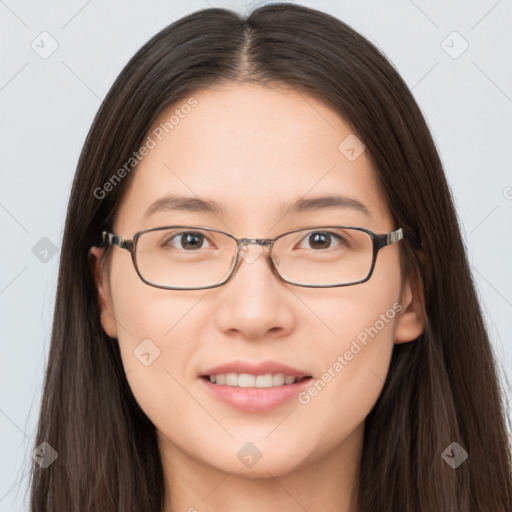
192 257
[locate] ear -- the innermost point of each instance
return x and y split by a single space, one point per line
104 299
412 319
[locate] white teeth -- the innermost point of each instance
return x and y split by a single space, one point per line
264 381
231 379
246 380
278 379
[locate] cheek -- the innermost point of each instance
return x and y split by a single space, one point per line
335 405
356 353
355 365
156 331
143 312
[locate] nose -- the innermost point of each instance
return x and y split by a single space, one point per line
255 301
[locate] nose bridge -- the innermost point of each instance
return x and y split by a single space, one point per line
243 246
261 242
244 243
255 241
253 307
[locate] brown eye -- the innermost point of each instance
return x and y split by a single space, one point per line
189 240
323 240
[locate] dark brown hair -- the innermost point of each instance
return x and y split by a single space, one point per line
441 388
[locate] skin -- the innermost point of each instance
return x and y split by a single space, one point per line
250 148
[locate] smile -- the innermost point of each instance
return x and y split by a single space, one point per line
247 380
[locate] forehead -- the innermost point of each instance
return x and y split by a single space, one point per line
252 150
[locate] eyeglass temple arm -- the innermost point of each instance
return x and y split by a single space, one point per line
120 241
394 236
389 238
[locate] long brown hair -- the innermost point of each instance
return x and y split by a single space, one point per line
442 388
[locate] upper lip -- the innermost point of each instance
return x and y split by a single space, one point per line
255 368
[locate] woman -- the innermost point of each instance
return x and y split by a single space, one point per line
264 300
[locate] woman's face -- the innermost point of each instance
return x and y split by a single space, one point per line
254 151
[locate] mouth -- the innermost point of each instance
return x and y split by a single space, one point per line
253 393
248 380
252 386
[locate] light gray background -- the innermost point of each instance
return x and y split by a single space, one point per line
47 106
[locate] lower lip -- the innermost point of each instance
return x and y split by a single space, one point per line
255 399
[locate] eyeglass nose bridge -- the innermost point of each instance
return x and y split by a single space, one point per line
255 241
243 243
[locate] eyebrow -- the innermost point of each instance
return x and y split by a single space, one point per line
196 204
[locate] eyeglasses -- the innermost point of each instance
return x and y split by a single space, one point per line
198 257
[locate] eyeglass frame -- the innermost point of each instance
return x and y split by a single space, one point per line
379 241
